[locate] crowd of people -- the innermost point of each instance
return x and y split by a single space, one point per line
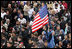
17 18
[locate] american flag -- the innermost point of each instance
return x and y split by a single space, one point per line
40 19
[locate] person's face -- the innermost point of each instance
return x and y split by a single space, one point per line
9 5
3 30
39 38
34 13
43 33
55 1
53 33
23 29
65 36
58 22
2 10
21 16
13 1
8 21
59 2
52 22
17 23
58 28
69 34
7 12
63 1
14 10
18 39
10 39
9 45
42 4
3 38
13 34
19 11
60 43
1 23
30 41
56 19
38 1
46 44
60 32
32 35
44 28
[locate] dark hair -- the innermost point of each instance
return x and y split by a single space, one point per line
4 28
56 4
20 37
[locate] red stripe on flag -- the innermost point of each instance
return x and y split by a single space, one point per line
38 28
43 22
40 22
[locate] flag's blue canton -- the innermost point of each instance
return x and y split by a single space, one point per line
43 11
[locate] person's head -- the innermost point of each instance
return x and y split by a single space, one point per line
46 43
35 34
2 10
69 35
13 1
32 35
66 24
9 44
21 16
7 21
3 37
28 3
63 1
56 5
19 11
39 37
58 27
10 39
66 37
7 12
43 33
13 34
59 2
38 2
1 23
35 46
34 13
58 22
9 5
56 18
23 29
55 1
44 27
60 31
17 23
52 22
43 4
15 10
3 29
68 45
35 5
53 32
60 43
30 41
19 38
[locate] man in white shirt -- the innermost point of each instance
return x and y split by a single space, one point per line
21 19
30 12
2 13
